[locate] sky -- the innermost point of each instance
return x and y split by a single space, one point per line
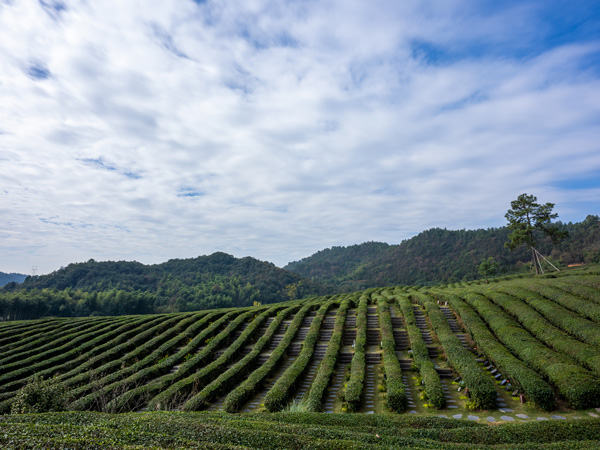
151 130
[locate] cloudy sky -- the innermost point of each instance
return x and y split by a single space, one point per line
150 130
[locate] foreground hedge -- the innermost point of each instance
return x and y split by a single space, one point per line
286 431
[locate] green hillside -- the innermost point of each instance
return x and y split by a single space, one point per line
438 255
6 278
178 285
520 353
380 350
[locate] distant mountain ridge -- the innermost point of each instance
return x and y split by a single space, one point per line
435 256
440 256
6 278
128 287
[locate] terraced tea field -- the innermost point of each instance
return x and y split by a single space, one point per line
511 351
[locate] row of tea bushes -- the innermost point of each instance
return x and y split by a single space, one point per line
565 319
327 366
229 379
354 388
396 399
431 379
520 374
482 391
179 390
278 395
241 394
579 387
545 332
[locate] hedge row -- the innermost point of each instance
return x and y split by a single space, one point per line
567 320
140 395
66 343
584 307
69 353
81 362
281 390
579 387
71 365
122 354
174 394
482 391
155 349
207 374
520 374
579 289
431 379
12 332
395 390
354 388
327 366
153 366
21 342
547 333
229 378
241 394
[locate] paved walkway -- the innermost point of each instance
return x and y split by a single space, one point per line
509 416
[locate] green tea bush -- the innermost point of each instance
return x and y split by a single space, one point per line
39 396
177 392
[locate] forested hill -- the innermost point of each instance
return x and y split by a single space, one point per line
6 278
441 256
123 287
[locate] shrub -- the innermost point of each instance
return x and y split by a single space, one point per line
39 396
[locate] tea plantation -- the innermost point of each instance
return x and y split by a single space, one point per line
510 364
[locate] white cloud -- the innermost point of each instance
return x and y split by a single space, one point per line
274 129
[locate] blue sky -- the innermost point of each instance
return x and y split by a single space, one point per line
154 130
